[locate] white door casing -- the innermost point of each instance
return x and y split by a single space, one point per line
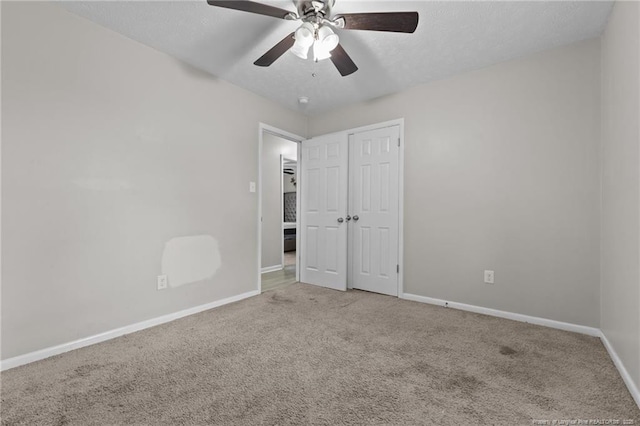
374 208
324 186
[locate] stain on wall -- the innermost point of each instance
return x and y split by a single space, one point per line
187 260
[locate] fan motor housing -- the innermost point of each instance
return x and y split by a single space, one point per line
309 8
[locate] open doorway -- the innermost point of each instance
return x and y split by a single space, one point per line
279 200
289 213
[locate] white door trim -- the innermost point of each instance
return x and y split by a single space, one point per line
262 127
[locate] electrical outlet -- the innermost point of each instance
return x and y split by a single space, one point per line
488 277
162 282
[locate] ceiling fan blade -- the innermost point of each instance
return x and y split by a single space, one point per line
275 52
398 22
343 61
251 6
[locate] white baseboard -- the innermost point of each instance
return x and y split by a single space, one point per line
271 268
591 331
633 387
107 335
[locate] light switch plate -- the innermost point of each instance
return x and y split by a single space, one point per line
252 187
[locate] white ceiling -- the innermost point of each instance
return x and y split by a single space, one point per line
452 37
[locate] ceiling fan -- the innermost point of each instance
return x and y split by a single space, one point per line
317 29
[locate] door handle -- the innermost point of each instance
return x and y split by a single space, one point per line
355 217
340 220
348 218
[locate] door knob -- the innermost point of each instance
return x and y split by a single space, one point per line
355 218
340 220
348 218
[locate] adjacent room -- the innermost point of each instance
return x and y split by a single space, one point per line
320 212
278 194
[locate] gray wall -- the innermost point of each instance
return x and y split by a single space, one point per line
272 148
501 172
110 152
621 185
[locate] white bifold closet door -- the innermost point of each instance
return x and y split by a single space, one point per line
374 209
324 186
350 210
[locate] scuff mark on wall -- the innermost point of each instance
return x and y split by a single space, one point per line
187 260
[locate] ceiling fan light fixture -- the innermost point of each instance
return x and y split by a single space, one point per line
325 42
304 38
300 51
328 38
320 52
317 18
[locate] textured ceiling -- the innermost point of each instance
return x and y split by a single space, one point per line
452 37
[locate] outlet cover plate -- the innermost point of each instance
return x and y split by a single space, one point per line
162 282
488 277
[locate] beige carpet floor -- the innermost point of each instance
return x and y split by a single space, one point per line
306 355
